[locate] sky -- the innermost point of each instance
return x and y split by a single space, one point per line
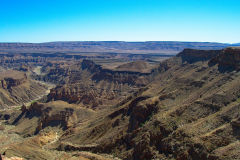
120 20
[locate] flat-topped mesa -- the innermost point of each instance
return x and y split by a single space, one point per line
93 67
193 55
121 77
135 66
12 78
228 59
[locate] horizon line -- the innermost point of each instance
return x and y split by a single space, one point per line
123 41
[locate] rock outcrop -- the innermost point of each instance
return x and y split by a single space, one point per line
54 114
192 55
9 82
121 77
140 112
49 116
91 85
16 88
228 59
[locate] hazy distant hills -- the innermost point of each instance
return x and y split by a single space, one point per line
154 47
236 44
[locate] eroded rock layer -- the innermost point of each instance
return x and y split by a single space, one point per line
91 85
16 89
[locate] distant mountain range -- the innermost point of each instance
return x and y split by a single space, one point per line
149 47
236 44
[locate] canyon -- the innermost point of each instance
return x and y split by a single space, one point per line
16 88
146 106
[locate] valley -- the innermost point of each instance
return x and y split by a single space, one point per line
131 104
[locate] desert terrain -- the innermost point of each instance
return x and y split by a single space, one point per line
120 100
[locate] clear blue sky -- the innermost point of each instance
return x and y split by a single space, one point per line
122 20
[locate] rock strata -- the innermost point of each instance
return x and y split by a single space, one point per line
228 59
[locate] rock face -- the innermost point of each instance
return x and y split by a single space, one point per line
16 88
49 117
54 114
91 85
121 77
228 59
192 55
140 113
9 82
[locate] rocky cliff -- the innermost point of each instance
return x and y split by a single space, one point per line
16 88
9 82
34 118
192 55
120 77
228 59
91 85
49 116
